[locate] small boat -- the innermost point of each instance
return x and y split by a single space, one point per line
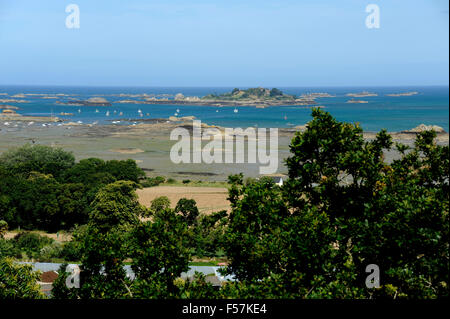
79 110
285 117
178 110
236 110
115 111
139 111
97 111
107 113
121 113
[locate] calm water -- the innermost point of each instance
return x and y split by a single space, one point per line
430 106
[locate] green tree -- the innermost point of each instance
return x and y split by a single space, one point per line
38 158
160 254
343 208
116 204
18 281
160 204
188 209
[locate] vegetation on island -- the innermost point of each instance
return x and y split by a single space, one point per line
342 208
251 94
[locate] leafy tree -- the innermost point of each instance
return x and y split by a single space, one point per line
39 158
188 209
18 281
124 170
160 254
160 204
105 244
116 204
342 208
207 234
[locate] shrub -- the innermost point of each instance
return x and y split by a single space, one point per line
153 181
8 249
159 204
31 243
186 181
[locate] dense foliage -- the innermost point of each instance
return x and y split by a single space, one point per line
43 188
18 281
344 207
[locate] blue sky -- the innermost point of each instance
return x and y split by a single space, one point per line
224 43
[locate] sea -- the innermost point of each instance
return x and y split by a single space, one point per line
430 106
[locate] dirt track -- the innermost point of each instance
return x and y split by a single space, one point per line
209 199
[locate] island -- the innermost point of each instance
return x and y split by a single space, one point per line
93 101
258 97
11 115
362 94
403 94
356 101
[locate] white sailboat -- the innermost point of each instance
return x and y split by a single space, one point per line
107 113
97 111
236 110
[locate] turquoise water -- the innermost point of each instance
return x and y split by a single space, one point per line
430 106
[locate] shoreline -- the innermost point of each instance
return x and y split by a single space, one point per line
150 145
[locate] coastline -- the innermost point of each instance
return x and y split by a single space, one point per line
149 145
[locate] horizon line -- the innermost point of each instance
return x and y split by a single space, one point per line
225 86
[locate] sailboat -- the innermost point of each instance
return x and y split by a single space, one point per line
121 113
79 110
236 110
97 111
107 113
178 110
